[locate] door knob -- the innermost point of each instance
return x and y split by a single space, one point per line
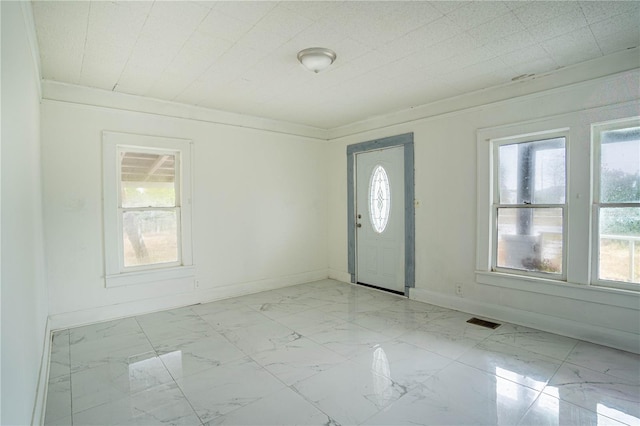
358 225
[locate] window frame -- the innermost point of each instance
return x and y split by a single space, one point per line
596 131
578 284
116 274
495 145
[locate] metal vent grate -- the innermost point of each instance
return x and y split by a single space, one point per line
483 323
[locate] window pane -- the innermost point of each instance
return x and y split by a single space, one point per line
620 165
620 244
147 180
150 237
379 199
532 172
530 239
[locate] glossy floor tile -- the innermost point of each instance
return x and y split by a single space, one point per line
329 353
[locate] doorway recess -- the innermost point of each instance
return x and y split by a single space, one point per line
405 140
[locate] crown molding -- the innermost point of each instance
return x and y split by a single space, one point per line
600 69
605 67
82 95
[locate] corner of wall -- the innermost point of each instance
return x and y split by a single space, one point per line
0 211
25 305
37 418
29 22
344 277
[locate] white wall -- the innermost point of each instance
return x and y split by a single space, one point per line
24 293
259 209
445 184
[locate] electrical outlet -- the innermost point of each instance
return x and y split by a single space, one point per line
197 283
459 289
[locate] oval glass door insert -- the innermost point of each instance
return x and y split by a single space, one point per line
379 199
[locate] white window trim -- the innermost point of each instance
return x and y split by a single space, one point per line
596 129
531 137
115 273
578 198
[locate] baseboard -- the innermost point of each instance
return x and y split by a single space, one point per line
589 332
40 403
122 310
345 277
251 287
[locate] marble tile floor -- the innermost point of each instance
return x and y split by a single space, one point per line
329 353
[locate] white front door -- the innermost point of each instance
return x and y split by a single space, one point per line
380 218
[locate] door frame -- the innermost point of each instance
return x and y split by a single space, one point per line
405 140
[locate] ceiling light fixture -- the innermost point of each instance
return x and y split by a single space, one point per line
316 59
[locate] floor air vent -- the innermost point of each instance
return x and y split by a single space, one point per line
483 323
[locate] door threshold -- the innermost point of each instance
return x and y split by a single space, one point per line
400 293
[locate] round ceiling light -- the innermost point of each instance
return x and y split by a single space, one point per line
316 59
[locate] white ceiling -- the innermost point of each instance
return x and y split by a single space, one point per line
240 56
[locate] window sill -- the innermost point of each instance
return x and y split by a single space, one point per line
581 292
149 276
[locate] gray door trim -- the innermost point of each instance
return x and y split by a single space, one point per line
409 195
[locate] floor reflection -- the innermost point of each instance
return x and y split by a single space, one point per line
381 377
604 413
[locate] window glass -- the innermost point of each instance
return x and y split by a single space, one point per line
532 172
620 166
147 180
150 237
530 239
620 244
149 208
379 199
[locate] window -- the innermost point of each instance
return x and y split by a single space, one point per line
529 206
617 203
379 199
149 207
559 203
147 199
